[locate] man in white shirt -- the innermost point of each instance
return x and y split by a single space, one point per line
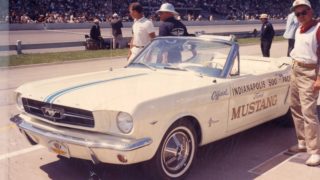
142 29
305 82
291 27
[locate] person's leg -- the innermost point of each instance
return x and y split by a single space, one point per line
119 41
290 46
308 99
265 48
295 108
262 48
268 47
114 42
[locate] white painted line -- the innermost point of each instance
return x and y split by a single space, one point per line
267 161
20 152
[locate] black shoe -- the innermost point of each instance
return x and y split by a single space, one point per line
295 149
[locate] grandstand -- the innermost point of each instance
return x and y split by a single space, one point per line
79 11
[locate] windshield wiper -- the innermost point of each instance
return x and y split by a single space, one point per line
182 69
144 64
174 68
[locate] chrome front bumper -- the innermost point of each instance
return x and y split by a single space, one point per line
111 144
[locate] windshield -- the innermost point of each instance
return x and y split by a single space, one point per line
185 54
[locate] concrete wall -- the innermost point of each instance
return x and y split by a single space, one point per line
41 26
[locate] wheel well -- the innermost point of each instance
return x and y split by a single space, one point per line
194 122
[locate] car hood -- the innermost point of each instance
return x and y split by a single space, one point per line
119 90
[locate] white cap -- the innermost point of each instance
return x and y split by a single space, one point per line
264 16
115 15
297 3
167 7
96 21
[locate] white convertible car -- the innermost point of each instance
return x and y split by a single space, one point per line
178 94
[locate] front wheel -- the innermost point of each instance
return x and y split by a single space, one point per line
176 152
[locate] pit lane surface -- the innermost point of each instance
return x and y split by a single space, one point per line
231 158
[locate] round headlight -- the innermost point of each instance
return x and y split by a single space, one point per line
19 102
124 122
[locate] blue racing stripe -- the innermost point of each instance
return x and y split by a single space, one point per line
52 97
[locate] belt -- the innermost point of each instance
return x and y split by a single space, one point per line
301 64
137 46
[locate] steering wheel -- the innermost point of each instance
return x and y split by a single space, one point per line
215 64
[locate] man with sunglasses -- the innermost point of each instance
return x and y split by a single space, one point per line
305 82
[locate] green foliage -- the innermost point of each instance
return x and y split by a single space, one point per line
25 59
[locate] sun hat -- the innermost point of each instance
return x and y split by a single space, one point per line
264 16
167 7
297 3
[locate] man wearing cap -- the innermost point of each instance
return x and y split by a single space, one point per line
305 82
170 26
267 34
116 26
95 33
142 29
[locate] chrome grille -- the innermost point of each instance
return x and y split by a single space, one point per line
72 116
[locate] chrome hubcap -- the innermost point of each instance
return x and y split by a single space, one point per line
176 151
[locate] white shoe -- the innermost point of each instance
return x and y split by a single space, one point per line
314 160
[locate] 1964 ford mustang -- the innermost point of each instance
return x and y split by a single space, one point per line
177 94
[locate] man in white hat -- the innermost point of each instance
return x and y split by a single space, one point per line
116 25
267 33
305 82
170 26
142 29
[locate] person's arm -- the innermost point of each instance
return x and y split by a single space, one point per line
152 35
316 85
130 46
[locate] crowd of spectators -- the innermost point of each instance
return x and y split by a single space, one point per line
79 11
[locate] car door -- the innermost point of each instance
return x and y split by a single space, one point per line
257 98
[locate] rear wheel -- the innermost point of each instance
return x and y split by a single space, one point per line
176 152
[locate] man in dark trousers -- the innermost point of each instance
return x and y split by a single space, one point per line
116 26
267 34
171 27
95 33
